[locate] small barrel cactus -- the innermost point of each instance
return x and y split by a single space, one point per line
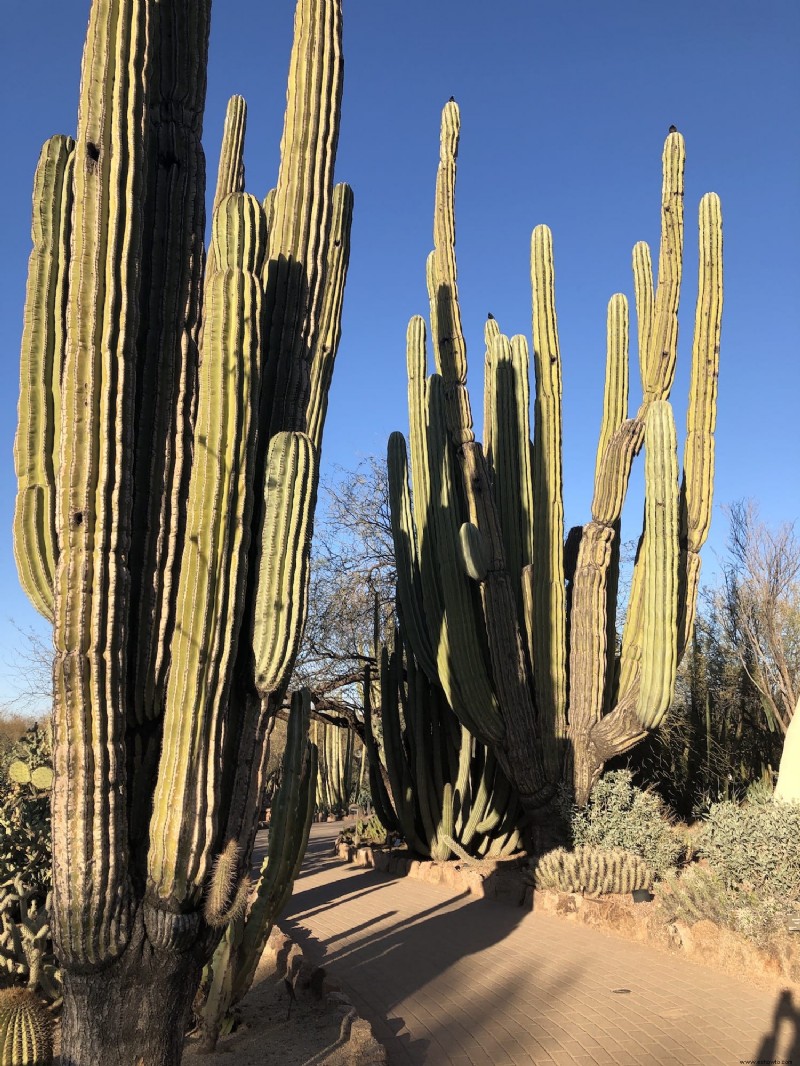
26 1034
593 870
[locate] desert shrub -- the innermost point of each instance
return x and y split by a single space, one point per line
701 893
755 846
25 843
620 815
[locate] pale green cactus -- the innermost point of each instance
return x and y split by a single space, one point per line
248 916
167 457
592 870
514 621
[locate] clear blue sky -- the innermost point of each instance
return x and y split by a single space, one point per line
564 107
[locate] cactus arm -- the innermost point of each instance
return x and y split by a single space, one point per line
299 238
285 548
230 172
91 888
43 338
643 295
461 654
663 348
510 434
490 331
447 334
549 623
330 330
211 588
698 462
404 537
170 297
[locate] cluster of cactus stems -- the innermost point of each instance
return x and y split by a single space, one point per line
26 947
26 1030
335 745
514 621
248 913
170 422
593 870
431 780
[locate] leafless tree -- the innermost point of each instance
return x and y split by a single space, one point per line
759 606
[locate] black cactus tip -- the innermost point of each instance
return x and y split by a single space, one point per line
491 316
452 100
673 129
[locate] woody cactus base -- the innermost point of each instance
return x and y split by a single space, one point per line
170 420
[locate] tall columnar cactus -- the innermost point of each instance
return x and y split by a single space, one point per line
170 424
230 972
334 781
514 622
443 787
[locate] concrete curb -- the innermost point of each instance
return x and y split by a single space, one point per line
703 942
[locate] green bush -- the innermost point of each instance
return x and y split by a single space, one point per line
702 894
620 815
25 812
754 847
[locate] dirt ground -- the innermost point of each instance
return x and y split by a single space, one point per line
311 1034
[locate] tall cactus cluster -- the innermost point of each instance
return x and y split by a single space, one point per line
514 621
170 422
248 921
431 780
334 781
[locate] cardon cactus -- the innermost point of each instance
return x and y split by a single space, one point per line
335 746
26 1032
514 622
170 422
443 789
588 869
248 921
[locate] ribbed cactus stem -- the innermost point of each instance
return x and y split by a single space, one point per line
43 340
549 623
213 571
26 1031
298 240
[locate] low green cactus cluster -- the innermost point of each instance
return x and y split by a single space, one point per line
26 1031
515 622
248 911
593 870
26 945
431 780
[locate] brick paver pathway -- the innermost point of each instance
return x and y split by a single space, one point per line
447 980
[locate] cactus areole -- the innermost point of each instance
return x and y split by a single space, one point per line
172 405
516 622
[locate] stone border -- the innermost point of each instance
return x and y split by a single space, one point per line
502 880
355 1032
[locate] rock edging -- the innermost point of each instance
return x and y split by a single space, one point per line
503 881
355 1032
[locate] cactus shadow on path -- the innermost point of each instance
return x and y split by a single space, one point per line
386 958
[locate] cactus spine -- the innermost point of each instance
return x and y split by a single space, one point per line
527 655
164 533
26 1033
593 870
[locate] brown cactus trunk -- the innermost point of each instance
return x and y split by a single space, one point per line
134 1012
